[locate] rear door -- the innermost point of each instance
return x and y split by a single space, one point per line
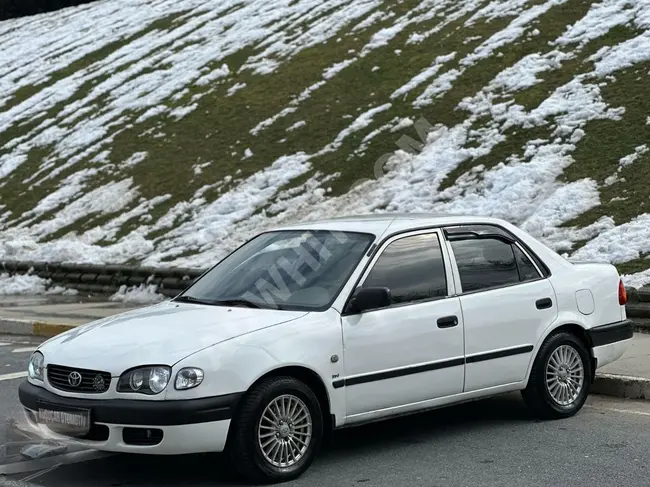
507 302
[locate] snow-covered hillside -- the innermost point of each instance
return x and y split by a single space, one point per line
168 132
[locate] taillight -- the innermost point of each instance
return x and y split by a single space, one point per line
622 294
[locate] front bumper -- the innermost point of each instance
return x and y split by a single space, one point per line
133 426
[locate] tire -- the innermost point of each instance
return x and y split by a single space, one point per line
543 399
245 446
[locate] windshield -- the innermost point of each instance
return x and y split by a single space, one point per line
295 270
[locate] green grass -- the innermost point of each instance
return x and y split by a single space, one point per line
218 131
607 141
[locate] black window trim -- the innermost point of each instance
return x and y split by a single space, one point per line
546 272
511 243
536 260
383 245
540 274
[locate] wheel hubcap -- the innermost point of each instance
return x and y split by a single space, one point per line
284 431
565 375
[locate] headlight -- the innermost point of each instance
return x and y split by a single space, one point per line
145 380
188 378
35 369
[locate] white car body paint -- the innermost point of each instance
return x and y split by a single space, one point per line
372 365
160 334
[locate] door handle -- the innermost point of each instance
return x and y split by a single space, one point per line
544 303
447 321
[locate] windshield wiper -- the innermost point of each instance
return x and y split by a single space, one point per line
236 302
223 302
192 299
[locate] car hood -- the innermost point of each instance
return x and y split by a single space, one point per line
162 334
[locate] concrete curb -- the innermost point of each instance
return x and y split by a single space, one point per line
641 325
621 386
13 326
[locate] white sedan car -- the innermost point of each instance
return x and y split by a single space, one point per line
324 325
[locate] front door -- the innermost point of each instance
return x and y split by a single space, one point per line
411 351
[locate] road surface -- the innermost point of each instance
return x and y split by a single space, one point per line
486 443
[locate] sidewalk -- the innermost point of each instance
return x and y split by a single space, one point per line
629 376
49 315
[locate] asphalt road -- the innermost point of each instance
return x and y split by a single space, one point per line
486 443
14 355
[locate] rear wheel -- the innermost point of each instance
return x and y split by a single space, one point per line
560 380
277 432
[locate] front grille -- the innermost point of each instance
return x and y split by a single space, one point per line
142 436
78 380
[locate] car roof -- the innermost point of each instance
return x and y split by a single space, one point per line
380 223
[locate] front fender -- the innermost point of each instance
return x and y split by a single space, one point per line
310 342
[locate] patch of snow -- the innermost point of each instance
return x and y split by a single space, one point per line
495 10
472 39
181 112
135 159
371 135
30 285
297 125
361 122
104 200
214 75
142 294
523 74
213 223
151 112
620 244
512 32
600 19
637 280
403 123
423 76
235 88
441 85
373 18
623 55
151 73
198 168
447 17
333 70
629 159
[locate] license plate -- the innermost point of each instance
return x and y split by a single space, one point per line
65 420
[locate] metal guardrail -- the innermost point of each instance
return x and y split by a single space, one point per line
105 279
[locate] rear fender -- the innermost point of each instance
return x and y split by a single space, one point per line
570 322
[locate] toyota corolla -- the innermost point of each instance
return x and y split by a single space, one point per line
325 325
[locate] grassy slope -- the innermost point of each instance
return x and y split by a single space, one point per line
218 131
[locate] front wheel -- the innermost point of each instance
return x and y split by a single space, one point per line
560 380
277 432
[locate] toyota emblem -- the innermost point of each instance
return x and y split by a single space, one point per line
74 379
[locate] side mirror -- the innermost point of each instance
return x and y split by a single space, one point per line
366 298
